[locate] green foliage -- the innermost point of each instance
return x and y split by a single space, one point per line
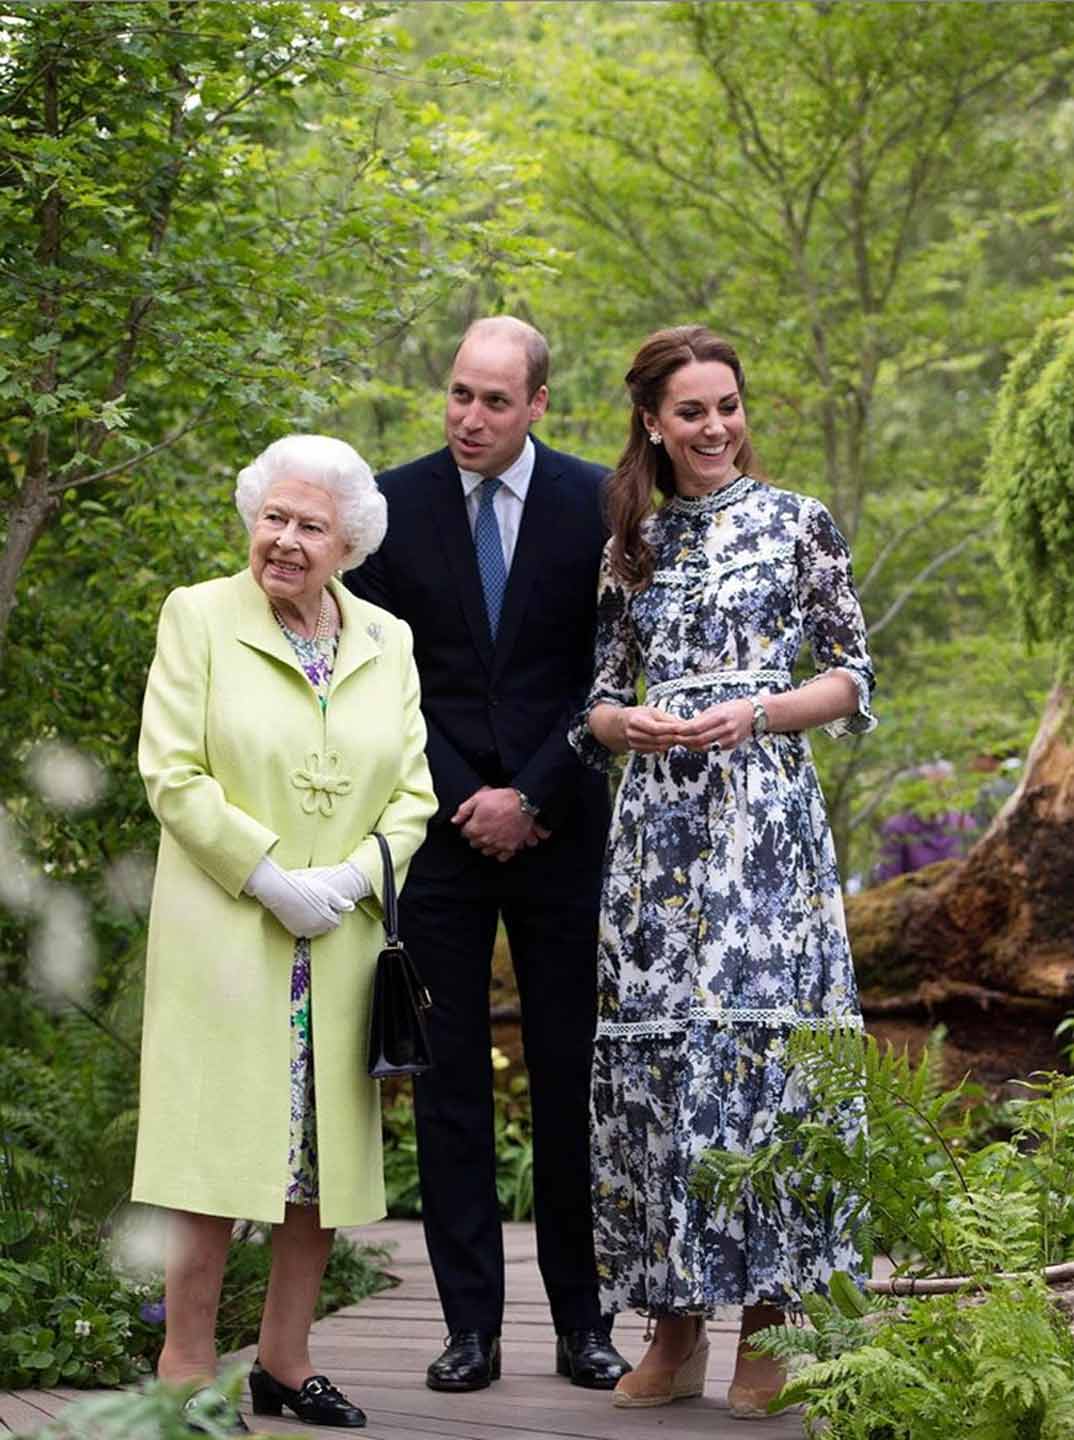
352 1273
931 1186
328 239
153 1412
65 1316
67 1110
214 221
68 1123
65 1319
251 203
514 1153
401 1183
876 272
919 1181
1000 1367
514 1149
76 669
1029 476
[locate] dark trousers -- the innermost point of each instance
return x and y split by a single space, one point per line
449 925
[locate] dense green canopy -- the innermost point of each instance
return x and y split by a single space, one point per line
221 222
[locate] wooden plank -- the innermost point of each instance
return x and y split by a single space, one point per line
683 1421
378 1351
506 1411
22 1410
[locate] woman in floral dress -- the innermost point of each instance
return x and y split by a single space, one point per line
722 923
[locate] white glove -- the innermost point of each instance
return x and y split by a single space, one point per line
302 908
344 880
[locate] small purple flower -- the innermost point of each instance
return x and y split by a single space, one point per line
300 970
152 1312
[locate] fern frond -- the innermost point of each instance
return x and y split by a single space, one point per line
870 1367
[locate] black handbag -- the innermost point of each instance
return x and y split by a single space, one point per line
398 1041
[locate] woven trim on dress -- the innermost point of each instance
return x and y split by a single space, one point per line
707 678
783 1017
707 504
694 575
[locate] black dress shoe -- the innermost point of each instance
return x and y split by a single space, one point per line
317 1403
590 1359
210 1404
470 1362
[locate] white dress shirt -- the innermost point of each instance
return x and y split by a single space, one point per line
508 501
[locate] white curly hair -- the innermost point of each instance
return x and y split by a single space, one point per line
335 467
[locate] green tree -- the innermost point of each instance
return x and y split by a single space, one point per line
1003 922
211 216
215 222
872 201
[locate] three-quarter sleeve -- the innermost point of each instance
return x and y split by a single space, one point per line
616 665
831 613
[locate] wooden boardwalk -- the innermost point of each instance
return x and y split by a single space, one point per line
377 1352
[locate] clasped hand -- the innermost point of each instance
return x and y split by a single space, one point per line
308 902
652 732
492 821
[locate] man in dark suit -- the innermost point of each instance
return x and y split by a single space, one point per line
491 556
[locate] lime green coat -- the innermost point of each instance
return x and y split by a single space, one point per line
238 760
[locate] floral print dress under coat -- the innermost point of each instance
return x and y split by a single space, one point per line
722 922
317 659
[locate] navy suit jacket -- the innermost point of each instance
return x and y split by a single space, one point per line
497 713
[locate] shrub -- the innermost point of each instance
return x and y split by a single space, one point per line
924 1180
999 1366
154 1412
931 1182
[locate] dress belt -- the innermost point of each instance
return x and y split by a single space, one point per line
706 679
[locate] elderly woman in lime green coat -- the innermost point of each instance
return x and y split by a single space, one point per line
281 728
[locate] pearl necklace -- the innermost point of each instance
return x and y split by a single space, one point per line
325 620
324 630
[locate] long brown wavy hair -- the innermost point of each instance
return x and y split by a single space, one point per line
644 467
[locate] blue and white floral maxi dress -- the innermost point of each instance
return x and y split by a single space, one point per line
722 922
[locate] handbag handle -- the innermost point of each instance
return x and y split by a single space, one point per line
390 907
390 902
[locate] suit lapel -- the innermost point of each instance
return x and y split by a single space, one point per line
447 511
538 524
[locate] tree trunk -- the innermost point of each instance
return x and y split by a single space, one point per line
993 932
30 516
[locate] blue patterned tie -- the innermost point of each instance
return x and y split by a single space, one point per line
489 545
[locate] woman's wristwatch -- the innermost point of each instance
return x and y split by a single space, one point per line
760 719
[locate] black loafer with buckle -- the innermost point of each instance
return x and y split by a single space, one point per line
318 1402
590 1359
471 1361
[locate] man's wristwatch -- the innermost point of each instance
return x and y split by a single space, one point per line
760 719
526 805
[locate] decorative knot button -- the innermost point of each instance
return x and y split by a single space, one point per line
321 781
